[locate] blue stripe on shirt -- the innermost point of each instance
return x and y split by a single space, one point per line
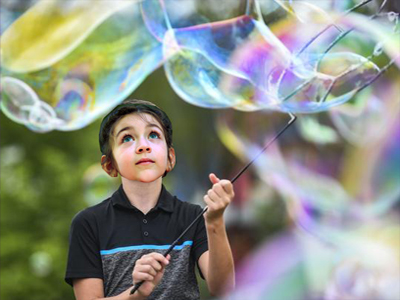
146 247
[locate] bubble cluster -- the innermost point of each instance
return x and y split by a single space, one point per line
338 176
342 201
73 75
364 267
66 63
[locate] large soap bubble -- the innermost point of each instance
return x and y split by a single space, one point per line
365 266
74 60
74 75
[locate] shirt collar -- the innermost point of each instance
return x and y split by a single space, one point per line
164 202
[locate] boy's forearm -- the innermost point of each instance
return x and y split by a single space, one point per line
123 296
221 273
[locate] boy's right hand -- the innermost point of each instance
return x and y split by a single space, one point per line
150 269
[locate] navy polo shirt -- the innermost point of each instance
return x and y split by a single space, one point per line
108 238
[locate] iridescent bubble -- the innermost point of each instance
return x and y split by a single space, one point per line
312 130
17 96
365 120
375 32
333 190
337 78
213 57
86 74
306 12
365 266
28 45
315 201
248 85
207 61
12 10
21 104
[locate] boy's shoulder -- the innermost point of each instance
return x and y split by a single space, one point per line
173 203
92 212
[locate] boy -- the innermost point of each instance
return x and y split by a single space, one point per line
120 241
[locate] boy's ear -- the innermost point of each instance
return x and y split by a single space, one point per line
171 159
108 167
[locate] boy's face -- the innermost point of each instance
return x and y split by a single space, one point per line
140 149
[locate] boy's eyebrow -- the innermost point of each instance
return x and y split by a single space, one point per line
123 129
154 125
131 127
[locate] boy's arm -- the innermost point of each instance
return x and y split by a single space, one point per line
149 268
217 264
92 289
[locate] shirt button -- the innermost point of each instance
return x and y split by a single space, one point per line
144 221
146 233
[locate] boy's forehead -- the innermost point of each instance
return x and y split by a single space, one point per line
134 120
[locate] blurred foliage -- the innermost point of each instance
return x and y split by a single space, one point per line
41 190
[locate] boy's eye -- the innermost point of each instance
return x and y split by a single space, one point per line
127 139
154 135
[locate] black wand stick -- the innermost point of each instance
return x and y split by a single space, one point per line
293 118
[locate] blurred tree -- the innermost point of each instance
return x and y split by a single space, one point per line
41 190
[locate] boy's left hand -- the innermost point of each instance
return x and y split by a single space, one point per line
218 198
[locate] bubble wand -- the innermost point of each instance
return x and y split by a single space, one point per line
291 121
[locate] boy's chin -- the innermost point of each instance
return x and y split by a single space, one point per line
149 179
143 177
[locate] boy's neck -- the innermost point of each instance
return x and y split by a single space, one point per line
143 196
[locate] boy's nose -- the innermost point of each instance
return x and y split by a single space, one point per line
143 148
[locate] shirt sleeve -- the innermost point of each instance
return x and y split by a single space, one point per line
200 243
84 260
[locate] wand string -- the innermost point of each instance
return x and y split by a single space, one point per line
293 118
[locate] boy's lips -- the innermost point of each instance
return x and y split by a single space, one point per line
145 161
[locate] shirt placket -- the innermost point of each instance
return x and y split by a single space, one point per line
145 228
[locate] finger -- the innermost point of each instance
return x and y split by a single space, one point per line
156 265
148 261
208 201
159 275
214 179
212 195
211 204
227 186
141 276
160 258
219 190
148 269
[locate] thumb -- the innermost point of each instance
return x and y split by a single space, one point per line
214 179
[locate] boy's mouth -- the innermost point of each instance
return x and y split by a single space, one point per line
145 161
